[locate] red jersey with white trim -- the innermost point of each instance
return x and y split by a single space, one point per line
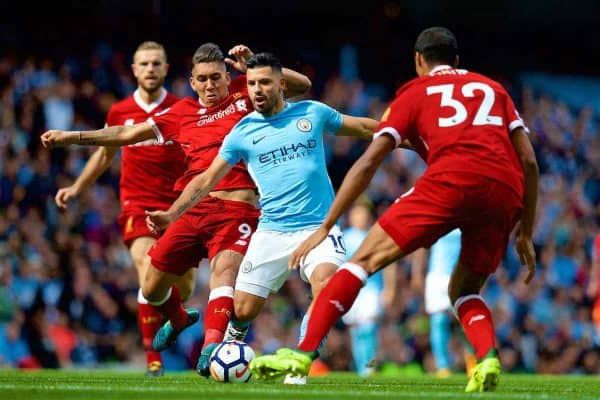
458 121
200 131
148 169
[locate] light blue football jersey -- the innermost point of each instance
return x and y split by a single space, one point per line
444 253
285 157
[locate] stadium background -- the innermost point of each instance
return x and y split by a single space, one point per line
67 294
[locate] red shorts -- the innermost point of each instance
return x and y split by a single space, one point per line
133 226
210 227
485 210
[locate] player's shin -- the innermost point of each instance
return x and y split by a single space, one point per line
150 320
217 314
476 321
332 302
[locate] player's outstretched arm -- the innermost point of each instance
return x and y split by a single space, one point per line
355 182
358 126
524 241
195 190
118 135
95 166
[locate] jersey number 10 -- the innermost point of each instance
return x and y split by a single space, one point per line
482 117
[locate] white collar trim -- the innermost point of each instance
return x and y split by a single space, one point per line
145 106
439 68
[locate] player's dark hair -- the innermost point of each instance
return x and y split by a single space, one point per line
437 45
208 52
264 60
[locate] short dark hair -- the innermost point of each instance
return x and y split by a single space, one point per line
264 60
208 52
437 45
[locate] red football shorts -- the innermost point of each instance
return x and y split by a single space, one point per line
212 226
134 226
485 210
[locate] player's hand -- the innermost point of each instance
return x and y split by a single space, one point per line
55 138
65 194
156 221
241 53
526 252
299 255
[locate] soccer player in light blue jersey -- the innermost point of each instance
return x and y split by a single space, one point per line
363 318
443 257
281 144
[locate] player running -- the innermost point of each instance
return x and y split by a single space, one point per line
148 172
220 225
281 143
482 177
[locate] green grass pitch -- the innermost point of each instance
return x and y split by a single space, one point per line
106 384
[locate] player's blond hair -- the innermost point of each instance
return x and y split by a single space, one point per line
150 45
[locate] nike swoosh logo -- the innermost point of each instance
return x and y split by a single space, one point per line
239 374
254 141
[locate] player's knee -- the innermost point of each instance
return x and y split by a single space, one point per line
366 262
149 291
151 287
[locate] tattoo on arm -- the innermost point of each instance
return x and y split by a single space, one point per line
96 137
182 209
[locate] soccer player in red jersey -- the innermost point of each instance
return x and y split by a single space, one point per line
481 177
220 225
148 173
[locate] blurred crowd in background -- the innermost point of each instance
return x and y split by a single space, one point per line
68 286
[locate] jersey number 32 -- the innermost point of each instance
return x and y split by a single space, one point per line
482 117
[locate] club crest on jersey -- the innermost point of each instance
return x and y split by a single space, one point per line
304 125
246 267
241 105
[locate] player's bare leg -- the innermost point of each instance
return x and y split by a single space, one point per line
224 267
376 251
476 320
160 291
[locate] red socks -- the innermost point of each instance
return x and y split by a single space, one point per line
173 310
150 320
476 321
332 302
217 314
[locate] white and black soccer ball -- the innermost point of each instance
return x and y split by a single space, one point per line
230 362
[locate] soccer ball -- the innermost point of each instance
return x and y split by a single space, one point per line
230 360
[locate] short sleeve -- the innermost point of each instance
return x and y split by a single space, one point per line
165 124
514 119
395 121
333 118
111 118
230 150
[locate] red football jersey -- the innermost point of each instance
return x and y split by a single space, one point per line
458 121
148 169
200 132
